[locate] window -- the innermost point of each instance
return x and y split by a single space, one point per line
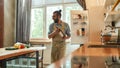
67 1
37 23
37 3
53 1
42 15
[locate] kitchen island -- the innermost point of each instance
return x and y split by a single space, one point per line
89 57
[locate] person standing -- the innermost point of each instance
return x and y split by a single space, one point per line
59 31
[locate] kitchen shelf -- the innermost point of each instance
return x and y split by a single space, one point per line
107 3
112 16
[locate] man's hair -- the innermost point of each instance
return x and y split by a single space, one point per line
58 12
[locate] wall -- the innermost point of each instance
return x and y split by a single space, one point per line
96 23
92 3
96 19
9 22
1 22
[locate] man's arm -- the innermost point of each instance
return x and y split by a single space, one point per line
68 35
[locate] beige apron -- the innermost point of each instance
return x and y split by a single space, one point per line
58 46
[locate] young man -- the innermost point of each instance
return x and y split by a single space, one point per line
59 31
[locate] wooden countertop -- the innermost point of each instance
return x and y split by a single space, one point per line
4 54
85 51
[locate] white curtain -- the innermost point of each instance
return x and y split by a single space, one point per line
23 20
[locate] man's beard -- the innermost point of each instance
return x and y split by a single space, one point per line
56 20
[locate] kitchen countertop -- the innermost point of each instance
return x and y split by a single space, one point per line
88 52
85 51
4 54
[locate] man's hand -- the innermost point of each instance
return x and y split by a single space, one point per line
66 37
54 33
57 30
